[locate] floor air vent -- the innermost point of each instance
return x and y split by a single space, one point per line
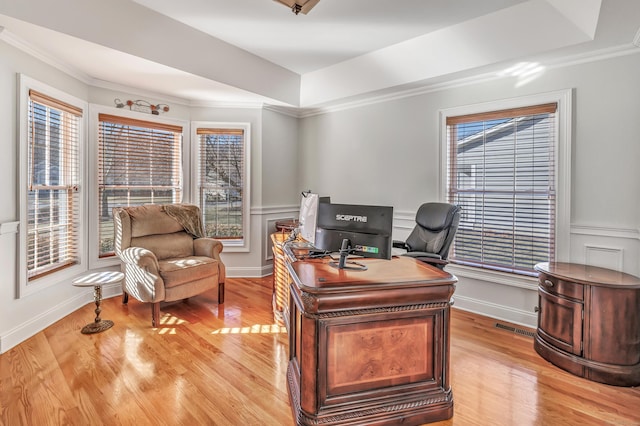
515 330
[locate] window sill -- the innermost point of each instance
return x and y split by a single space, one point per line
496 277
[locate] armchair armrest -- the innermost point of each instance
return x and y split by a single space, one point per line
140 257
211 247
142 274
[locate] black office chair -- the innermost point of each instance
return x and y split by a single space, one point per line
436 226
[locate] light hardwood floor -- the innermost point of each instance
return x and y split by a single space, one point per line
225 365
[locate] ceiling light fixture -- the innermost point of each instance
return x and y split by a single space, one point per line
298 6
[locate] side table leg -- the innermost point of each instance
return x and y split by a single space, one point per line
98 324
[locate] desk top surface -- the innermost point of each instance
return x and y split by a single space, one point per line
317 275
590 275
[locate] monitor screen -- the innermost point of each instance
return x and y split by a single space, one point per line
368 229
308 217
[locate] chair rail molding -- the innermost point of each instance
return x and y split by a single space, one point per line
9 227
267 210
605 231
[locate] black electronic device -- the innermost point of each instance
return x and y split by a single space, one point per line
343 263
367 228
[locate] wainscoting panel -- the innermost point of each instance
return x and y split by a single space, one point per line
612 248
605 257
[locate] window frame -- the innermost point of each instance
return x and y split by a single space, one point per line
26 287
562 176
95 261
229 245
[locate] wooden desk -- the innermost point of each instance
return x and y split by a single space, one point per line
589 322
369 347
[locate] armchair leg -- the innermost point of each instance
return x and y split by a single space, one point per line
220 293
155 314
125 297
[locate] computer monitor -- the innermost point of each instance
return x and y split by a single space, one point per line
307 218
367 228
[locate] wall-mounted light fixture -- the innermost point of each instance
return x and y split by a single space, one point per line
142 106
298 6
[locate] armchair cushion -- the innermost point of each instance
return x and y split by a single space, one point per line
164 246
177 271
151 220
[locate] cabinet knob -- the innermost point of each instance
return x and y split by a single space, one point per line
548 283
536 309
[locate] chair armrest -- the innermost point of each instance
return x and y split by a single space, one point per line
142 275
212 248
399 244
140 257
426 257
424 254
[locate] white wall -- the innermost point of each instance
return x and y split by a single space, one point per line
274 189
389 153
281 186
20 318
380 153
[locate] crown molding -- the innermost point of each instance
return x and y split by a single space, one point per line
294 112
226 104
572 60
305 112
28 48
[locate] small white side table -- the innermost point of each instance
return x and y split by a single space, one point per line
97 280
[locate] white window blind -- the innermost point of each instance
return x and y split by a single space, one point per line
139 162
53 175
501 172
221 182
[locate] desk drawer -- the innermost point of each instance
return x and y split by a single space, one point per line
560 287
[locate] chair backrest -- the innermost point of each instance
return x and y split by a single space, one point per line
436 226
166 230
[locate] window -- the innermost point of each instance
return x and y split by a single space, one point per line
51 208
501 171
222 181
139 162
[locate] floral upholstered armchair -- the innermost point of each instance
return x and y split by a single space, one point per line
165 255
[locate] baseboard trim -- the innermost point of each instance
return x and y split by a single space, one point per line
38 323
498 312
249 272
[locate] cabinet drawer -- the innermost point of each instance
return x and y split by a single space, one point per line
560 287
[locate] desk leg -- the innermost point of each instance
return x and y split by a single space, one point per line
98 324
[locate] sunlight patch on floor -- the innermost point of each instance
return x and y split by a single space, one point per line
254 329
167 321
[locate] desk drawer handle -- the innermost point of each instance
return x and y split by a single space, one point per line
548 283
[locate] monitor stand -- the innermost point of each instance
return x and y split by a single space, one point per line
342 263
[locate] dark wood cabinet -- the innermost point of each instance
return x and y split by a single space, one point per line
589 322
369 347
